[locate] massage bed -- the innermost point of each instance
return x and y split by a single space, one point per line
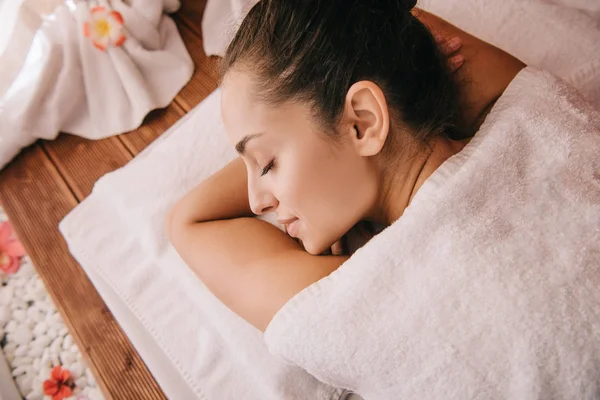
48 180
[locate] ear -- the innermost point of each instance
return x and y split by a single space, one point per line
367 117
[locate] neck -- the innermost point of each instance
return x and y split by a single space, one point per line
402 185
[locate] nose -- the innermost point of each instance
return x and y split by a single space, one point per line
261 199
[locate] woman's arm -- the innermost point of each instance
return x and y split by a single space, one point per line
486 72
250 265
253 267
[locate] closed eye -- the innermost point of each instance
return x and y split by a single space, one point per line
266 169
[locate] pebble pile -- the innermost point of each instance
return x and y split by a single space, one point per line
34 338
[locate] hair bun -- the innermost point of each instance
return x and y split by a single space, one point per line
408 5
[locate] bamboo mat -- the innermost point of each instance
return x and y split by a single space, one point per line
49 179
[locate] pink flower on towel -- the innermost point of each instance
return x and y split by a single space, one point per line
104 28
11 250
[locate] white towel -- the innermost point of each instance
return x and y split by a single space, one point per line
487 287
560 36
53 79
193 345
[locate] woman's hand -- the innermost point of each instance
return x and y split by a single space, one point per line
449 46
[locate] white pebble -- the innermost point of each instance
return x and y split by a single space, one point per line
40 329
45 372
22 362
52 333
21 335
26 271
81 382
76 370
95 394
42 342
56 345
90 377
63 331
19 315
36 394
21 351
74 349
68 341
10 348
24 383
35 314
9 358
4 315
36 364
6 295
11 326
19 371
35 352
67 358
55 361
19 292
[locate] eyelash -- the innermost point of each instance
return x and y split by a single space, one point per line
266 169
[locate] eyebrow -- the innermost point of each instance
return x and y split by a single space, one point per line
240 147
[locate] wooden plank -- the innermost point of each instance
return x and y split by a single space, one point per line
154 125
206 75
35 198
191 13
82 162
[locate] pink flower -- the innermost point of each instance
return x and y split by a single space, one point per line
11 250
105 28
60 385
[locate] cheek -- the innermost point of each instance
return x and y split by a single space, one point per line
324 192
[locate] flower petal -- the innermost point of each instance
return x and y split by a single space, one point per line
66 374
99 45
97 11
15 249
50 387
10 265
120 41
5 232
116 17
64 392
86 29
56 373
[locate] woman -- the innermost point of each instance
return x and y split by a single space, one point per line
213 221
341 111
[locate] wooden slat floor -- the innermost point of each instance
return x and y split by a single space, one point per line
48 179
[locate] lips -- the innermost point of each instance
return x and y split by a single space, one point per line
292 228
291 225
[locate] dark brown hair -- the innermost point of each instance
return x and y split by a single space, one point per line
315 50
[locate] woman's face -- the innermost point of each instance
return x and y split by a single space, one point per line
317 187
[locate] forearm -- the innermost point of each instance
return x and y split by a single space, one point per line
222 196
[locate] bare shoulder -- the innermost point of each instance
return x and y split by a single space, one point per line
250 265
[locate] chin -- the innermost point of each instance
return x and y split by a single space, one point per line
312 248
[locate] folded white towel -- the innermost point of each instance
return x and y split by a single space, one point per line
53 79
560 36
487 286
193 345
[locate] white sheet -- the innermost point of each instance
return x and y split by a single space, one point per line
194 345
52 78
118 232
487 287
